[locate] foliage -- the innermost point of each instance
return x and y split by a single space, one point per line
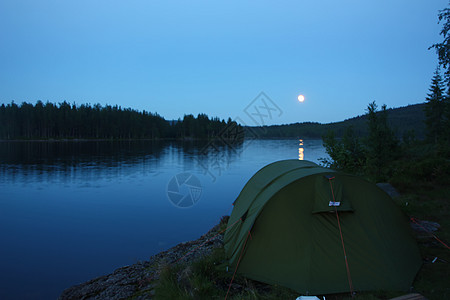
346 154
202 279
429 201
373 154
421 166
434 109
65 121
194 281
382 147
70 121
168 287
438 104
443 48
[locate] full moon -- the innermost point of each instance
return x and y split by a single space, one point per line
301 98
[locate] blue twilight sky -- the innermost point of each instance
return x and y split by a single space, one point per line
215 57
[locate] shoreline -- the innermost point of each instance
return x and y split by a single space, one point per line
88 140
137 281
187 139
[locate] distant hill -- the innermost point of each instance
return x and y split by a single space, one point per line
402 120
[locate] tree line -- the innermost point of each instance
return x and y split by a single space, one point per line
406 122
71 121
373 154
382 156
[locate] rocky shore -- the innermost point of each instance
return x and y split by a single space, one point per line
138 280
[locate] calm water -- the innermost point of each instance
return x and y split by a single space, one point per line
71 211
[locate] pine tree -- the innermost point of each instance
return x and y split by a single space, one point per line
435 108
446 121
443 52
382 147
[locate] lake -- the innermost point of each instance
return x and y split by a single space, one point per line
72 211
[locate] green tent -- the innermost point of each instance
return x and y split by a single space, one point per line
293 221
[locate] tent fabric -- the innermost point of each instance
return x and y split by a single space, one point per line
291 236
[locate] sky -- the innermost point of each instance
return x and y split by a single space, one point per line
248 60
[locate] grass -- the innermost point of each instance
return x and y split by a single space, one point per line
203 279
424 182
432 204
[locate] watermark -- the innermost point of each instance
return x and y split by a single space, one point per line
214 161
184 190
219 153
262 108
237 135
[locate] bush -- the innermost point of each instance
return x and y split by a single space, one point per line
425 172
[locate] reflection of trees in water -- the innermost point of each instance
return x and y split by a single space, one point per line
217 156
74 151
99 160
87 160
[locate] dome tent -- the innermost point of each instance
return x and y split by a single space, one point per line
293 221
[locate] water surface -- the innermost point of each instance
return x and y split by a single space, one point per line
72 211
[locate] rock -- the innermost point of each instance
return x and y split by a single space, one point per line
389 189
121 284
413 296
185 276
424 226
